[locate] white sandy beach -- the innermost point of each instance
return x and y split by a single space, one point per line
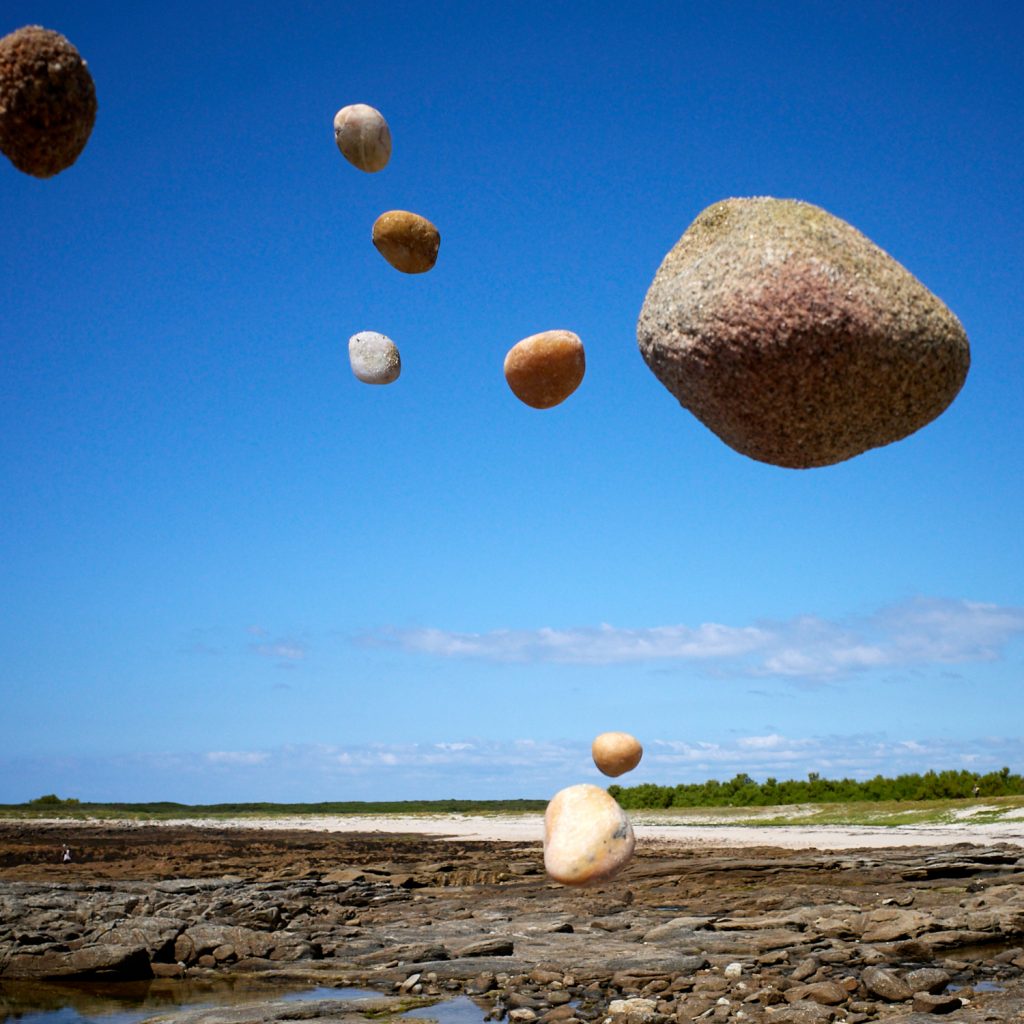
530 828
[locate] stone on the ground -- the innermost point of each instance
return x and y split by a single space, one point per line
616 753
374 358
885 984
796 339
47 101
363 136
407 241
587 836
544 369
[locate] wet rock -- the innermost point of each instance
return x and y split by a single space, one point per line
794 338
100 961
885 984
587 836
363 136
407 241
374 359
925 1002
616 753
544 369
47 101
927 979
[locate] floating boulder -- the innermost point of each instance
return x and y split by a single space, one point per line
47 101
407 241
374 358
795 338
616 753
587 836
544 369
363 137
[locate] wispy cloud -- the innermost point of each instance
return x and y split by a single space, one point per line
237 757
283 651
924 631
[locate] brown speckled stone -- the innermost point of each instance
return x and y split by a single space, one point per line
47 101
796 339
407 241
545 369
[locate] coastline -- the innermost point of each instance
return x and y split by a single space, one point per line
530 828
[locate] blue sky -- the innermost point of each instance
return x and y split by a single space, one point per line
230 571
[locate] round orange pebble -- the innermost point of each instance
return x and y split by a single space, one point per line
544 369
616 753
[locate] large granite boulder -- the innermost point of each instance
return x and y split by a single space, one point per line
795 338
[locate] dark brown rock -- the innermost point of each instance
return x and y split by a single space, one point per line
925 1002
828 993
47 101
794 338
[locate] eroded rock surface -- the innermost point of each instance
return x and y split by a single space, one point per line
759 936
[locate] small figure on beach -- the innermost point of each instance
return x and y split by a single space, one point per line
66 858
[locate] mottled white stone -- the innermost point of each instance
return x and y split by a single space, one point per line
363 136
616 752
374 358
587 836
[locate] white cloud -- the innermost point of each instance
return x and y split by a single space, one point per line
237 757
284 650
924 631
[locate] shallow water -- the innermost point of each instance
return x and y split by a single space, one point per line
131 1001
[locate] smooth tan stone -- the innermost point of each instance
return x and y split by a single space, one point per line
374 358
587 836
616 752
47 101
363 137
794 338
407 241
544 369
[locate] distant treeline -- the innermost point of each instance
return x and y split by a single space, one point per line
743 791
166 808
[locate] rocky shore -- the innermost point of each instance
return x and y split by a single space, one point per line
752 935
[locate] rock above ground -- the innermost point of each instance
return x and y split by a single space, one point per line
794 338
616 753
374 358
47 101
544 369
363 137
587 836
407 241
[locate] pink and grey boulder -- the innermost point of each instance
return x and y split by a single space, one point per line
795 338
47 101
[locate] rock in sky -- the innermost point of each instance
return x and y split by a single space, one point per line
363 136
587 836
795 338
616 753
47 101
544 369
407 241
374 358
